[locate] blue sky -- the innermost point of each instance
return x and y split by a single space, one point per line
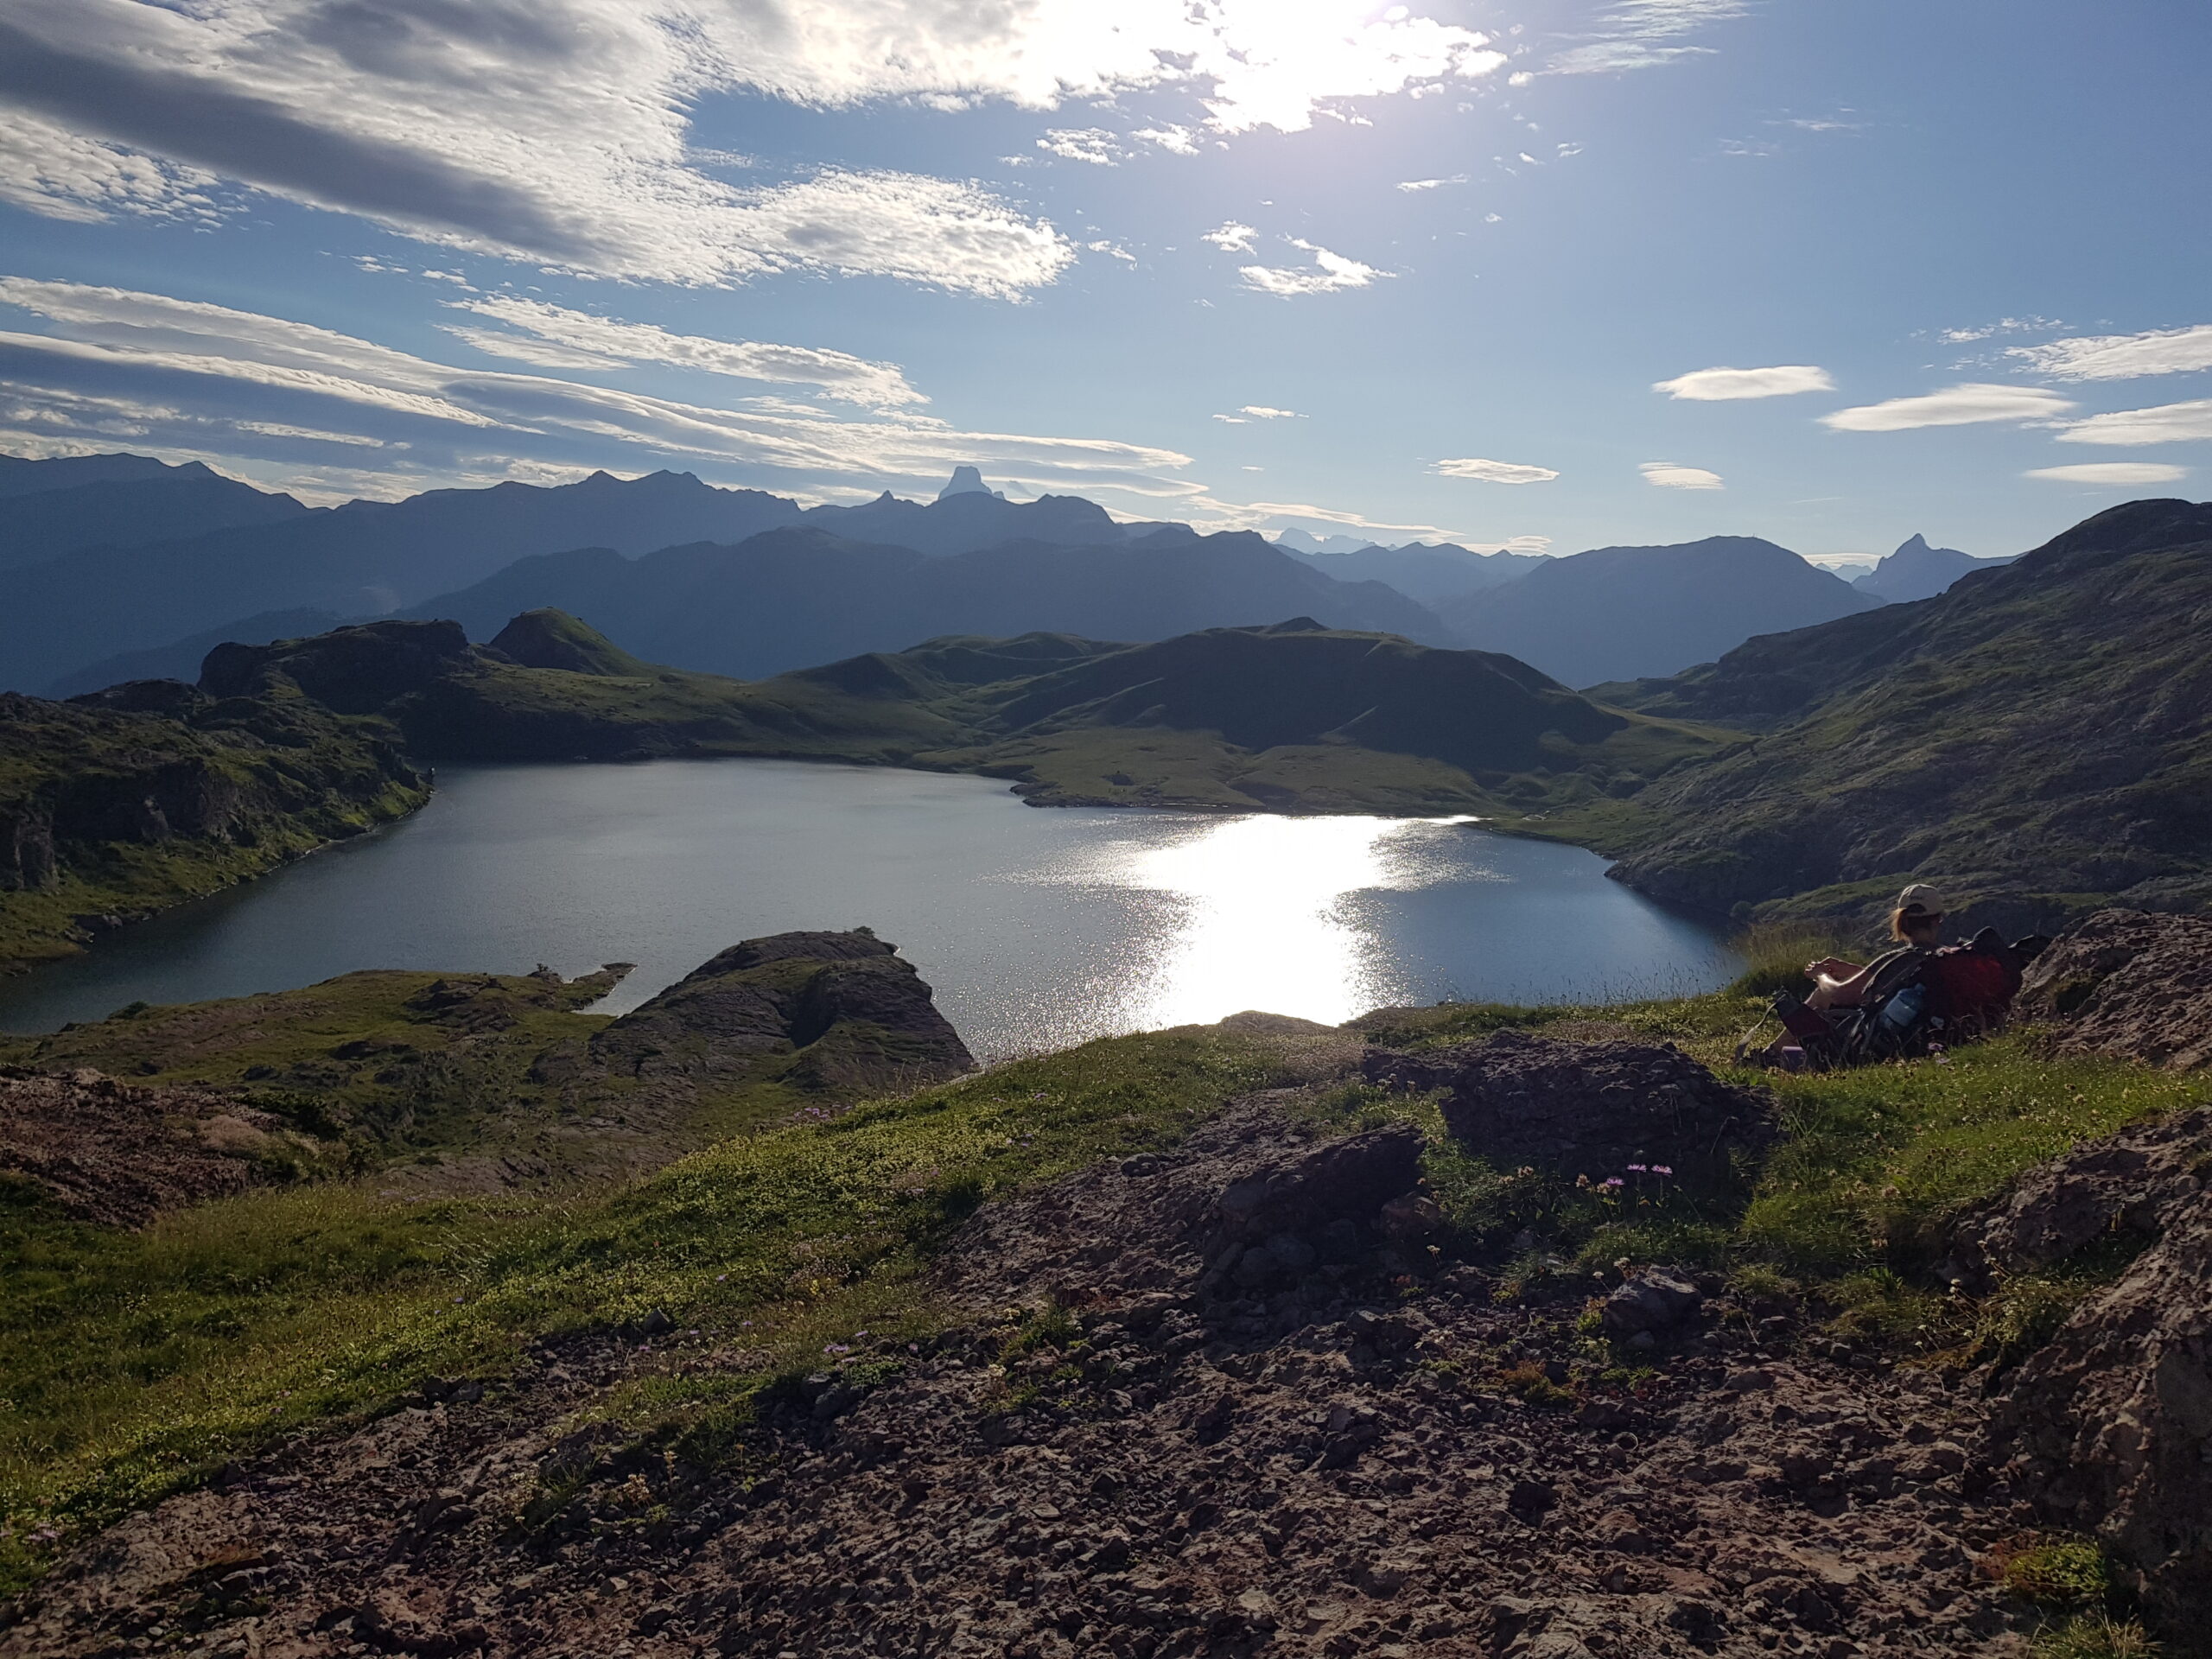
1407 271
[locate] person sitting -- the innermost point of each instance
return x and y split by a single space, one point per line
1915 924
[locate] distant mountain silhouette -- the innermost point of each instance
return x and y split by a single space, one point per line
968 481
965 520
181 659
1917 570
1429 572
365 557
185 501
796 596
20 476
1299 541
1628 613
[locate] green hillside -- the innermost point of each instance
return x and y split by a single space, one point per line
2039 739
122 804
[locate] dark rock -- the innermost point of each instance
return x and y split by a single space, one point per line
1587 1109
1653 1300
2130 985
1347 1179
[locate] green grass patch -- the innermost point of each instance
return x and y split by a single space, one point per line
136 1364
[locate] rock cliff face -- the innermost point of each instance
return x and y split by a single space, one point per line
2130 985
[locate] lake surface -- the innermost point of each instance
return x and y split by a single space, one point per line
1038 927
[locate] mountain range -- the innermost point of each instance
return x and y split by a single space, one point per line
121 566
797 596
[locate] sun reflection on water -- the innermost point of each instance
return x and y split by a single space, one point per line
1264 919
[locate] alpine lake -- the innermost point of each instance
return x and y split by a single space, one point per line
1038 928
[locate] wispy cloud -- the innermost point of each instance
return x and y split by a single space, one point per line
1231 237
1668 476
1414 185
1720 385
1494 472
181 370
606 342
2002 326
1330 273
1645 34
1262 412
1966 405
2123 475
2121 357
2132 428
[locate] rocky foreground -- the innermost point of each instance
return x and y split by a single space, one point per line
1229 1400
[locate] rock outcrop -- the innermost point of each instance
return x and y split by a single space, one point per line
2128 984
1585 1108
111 1152
854 1013
2107 1428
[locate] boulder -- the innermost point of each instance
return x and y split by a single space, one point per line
2130 985
1347 1179
1585 1108
1653 1302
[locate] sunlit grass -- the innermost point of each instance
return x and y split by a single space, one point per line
137 1363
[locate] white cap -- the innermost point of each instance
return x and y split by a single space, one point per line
1920 896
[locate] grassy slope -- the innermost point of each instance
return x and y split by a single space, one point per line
2040 735
134 1364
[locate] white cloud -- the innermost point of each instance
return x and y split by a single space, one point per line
1645 34
601 342
155 361
1093 145
1231 237
1494 472
2002 326
1668 476
1331 272
2167 424
64 175
1966 406
1262 412
1232 420
1432 184
557 132
2123 473
1176 141
2122 357
1717 385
